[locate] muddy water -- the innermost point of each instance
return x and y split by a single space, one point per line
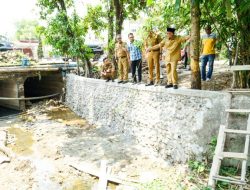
66 116
22 141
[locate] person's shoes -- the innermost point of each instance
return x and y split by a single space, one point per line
208 79
175 86
124 82
113 80
107 80
121 81
134 82
150 84
169 86
157 84
139 82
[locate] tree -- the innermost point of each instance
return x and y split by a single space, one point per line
116 11
64 31
243 15
26 30
126 9
235 15
111 41
194 45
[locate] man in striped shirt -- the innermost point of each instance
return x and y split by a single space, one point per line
135 58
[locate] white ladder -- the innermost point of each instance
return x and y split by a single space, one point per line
220 154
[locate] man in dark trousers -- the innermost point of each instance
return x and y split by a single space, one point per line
208 53
134 50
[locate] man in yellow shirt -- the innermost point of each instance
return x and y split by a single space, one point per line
172 45
208 53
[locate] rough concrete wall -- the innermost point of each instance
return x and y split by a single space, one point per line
9 88
172 124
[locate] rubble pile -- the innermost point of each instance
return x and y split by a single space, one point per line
12 58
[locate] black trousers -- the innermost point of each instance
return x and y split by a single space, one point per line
185 58
136 64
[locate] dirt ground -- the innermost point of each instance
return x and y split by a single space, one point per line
221 79
48 139
50 144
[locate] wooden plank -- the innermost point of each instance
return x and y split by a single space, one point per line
238 110
234 155
240 68
229 180
103 179
246 148
4 149
217 158
243 132
110 178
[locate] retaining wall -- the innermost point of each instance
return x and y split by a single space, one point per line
167 123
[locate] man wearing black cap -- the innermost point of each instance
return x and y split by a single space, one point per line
172 44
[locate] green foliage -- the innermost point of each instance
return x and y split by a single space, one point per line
138 44
197 166
64 32
96 19
132 8
150 2
26 30
164 13
154 185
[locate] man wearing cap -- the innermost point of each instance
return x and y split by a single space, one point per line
121 54
153 57
172 44
208 53
108 70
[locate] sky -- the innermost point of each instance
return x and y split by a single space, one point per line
12 11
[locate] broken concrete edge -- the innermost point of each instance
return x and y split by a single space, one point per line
156 89
3 148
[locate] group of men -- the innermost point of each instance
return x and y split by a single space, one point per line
132 53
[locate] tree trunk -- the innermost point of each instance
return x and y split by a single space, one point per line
40 49
242 78
88 67
111 28
195 45
119 17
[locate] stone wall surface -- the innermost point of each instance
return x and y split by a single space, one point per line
167 123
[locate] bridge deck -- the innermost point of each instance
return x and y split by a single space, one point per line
20 69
